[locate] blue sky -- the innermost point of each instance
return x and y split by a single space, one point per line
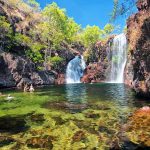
88 12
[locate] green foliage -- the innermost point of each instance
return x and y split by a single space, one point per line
4 25
72 29
37 47
57 26
22 39
5 33
90 35
56 61
54 24
35 53
49 29
35 56
109 28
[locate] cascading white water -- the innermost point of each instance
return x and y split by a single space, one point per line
75 70
119 58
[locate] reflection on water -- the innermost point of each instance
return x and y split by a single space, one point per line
76 93
90 93
78 97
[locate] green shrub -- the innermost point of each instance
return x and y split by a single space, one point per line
56 61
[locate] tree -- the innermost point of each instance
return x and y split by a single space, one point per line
108 29
90 35
5 33
56 28
56 61
72 28
122 8
49 29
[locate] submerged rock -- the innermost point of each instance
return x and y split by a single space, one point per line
39 118
4 140
13 124
40 142
59 120
86 125
100 107
128 145
92 115
79 136
66 106
138 127
105 129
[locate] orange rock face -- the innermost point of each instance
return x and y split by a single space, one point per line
94 73
60 79
137 72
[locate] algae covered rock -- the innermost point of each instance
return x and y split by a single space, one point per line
138 129
4 140
40 142
37 118
79 136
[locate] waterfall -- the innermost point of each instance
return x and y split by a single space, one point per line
119 58
75 70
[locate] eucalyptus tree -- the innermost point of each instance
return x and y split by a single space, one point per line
90 35
120 8
50 28
108 29
55 28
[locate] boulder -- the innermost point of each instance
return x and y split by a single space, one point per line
40 142
60 79
94 73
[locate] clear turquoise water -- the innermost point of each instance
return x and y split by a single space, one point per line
74 116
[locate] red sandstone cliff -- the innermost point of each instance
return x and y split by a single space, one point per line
138 67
